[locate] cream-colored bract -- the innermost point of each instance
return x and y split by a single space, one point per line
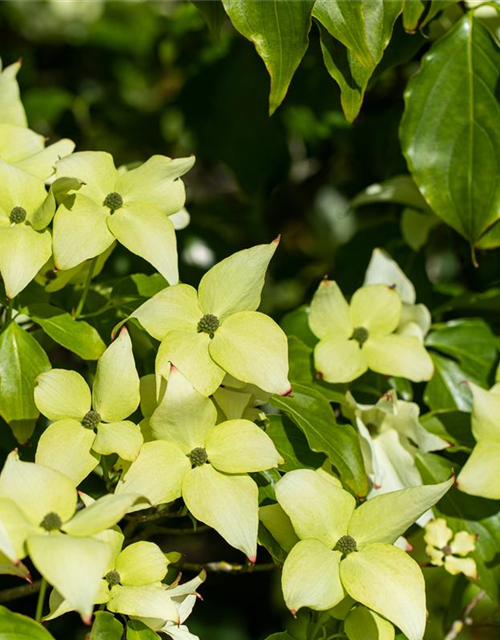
479 476
86 224
244 343
357 547
364 335
69 444
204 462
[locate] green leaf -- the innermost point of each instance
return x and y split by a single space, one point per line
139 631
280 636
312 413
436 7
399 189
279 30
471 347
14 626
412 13
296 324
342 65
213 13
478 516
76 335
470 342
345 21
459 178
106 627
299 360
292 445
22 359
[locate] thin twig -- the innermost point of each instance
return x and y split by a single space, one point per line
20 592
224 567
465 620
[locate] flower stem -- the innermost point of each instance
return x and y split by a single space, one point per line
7 595
41 599
86 287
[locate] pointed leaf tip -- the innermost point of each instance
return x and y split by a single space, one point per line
277 240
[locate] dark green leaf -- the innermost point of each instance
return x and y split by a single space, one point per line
399 189
266 540
470 342
478 516
76 335
295 324
292 445
139 631
106 627
280 636
448 388
279 30
436 7
213 13
412 13
472 347
14 626
313 414
452 426
345 21
351 76
300 360
22 359
459 178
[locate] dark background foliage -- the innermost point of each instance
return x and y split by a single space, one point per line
144 78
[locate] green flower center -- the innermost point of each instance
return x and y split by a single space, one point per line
51 522
112 578
360 334
91 419
114 201
346 545
198 457
208 324
17 215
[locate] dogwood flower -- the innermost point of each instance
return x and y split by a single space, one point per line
479 476
133 207
218 329
415 318
38 516
390 435
84 424
363 624
205 463
131 583
19 146
347 550
443 548
25 245
360 336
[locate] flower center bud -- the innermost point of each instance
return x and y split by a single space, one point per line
209 324
360 334
17 215
112 578
447 550
114 201
198 457
51 522
91 419
346 545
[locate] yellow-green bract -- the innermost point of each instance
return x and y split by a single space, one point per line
243 342
344 550
207 464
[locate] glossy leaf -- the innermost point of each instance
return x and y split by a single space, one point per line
22 359
458 179
279 30
312 413
213 13
344 67
76 335
14 626
106 627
